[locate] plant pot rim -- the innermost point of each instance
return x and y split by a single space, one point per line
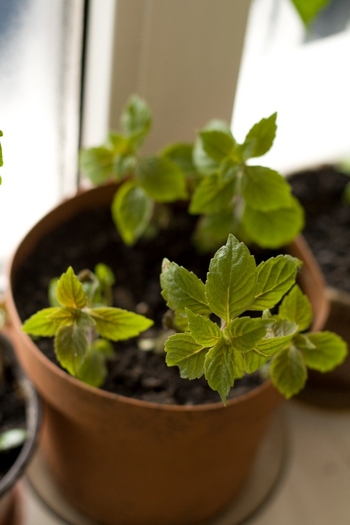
33 417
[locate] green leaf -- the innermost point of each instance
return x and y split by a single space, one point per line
309 9
117 324
93 371
232 280
322 351
1 156
69 291
222 367
288 371
136 119
71 347
217 144
264 189
212 195
296 307
273 229
203 330
183 351
182 155
97 164
260 138
245 333
131 211
183 289
161 179
275 277
41 324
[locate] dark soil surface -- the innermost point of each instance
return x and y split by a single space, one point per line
91 238
12 406
320 191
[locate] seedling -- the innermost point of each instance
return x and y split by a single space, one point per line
221 340
213 175
83 327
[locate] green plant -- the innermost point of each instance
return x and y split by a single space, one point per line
307 10
213 174
213 338
241 344
83 325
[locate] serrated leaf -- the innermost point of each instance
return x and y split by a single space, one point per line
162 179
264 189
117 324
71 347
136 119
182 155
275 277
183 289
308 10
260 138
40 324
326 351
278 334
212 195
69 291
232 279
204 331
183 351
273 229
244 333
222 367
288 371
93 371
296 307
217 144
97 164
131 210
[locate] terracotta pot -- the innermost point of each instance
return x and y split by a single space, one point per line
11 494
124 461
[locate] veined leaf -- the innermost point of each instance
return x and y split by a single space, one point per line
264 189
278 334
218 144
97 164
288 371
41 324
212 195
69 291
260 138
183 351
71 347
162 179
326 351
131 211
296 307
203 330
222 367
93 371
117 324
245 333
276 228
183 289
275 277
232 280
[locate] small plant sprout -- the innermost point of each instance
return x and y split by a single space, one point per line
82 325
213 175
221 341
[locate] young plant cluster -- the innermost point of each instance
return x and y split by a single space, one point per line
213 175
216 336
